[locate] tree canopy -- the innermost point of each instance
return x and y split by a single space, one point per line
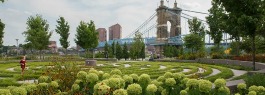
136 47
86 36
63 30
37 32
2 27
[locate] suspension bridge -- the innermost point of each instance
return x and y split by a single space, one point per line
156 31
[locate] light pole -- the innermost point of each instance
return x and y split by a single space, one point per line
17 46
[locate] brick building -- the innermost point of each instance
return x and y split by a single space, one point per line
115 32
102 34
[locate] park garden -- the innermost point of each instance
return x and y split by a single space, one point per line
125 70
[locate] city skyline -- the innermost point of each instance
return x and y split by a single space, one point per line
130 14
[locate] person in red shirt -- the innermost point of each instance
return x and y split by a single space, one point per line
23 64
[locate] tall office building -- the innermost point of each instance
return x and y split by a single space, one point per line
115 32
102 34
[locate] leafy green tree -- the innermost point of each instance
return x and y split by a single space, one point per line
196 27
63 30
118 51
193 42
249 17
125 51
170 51
28 46
142 52
2 26
37 33
106 49
216 23
113 51
87 36
136 46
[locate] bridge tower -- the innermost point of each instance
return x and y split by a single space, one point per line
164 15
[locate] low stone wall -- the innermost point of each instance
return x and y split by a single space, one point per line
248 64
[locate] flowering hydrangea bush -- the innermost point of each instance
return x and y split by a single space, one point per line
135 78
183 92
5 92
46 79
43 86
191 83
81 75
54 84
116 83
219 83
116 72
151 89
30 88
168 75
18 91
134 89
170 82
205 86
75 88
120 92
92 77
105 76
92 70
252 93
103 90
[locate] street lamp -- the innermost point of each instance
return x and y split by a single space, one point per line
17 46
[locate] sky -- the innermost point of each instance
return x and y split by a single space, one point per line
130 14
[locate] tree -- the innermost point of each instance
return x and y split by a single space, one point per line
118 51
63 30
113 49
106 50
136 46
86 36
142 52
2 27
2 1
193 42
249 17
216 23
37 33
196 27
125 51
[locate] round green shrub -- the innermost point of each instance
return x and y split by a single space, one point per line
219 83
92 70
106 76
100 74
81 75
116 83
157 83
170 82
205 86
92 78
75 88
120 92
253 88
135 77
134 89
128 79
151 88
97 86
183 82
168 75
115 76
224 89
18 91
242 86
161 79
178 76
77 81
54 84
103 90
5 92
43 86
192 83
164 92
237 94
144 79
183 92
116 72
252 93
31 87
45 79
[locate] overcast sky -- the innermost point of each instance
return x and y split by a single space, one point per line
128 13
